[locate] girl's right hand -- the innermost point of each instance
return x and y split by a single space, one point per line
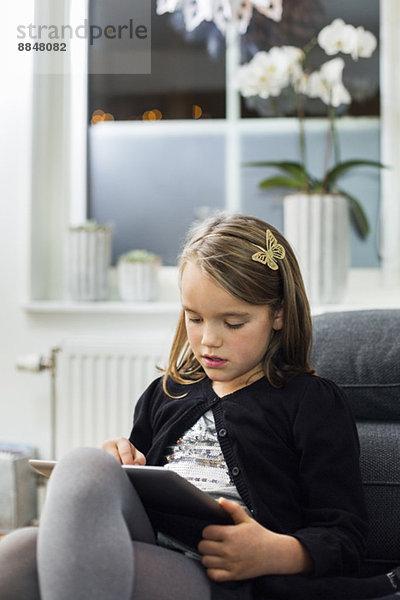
124 452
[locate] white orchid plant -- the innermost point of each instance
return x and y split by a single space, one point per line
269 73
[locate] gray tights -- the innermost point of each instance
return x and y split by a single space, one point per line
95 542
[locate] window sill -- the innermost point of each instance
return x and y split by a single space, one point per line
365 291
106 307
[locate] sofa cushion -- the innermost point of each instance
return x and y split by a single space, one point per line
380 469
360 351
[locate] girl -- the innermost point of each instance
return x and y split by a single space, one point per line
241 414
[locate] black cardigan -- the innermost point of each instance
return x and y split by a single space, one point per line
293 454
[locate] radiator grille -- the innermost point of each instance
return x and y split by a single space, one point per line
98 383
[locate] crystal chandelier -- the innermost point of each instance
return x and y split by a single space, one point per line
221 12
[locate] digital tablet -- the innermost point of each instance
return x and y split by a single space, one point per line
162 490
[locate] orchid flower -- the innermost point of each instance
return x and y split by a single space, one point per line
327 84
365 44
267 74
337 37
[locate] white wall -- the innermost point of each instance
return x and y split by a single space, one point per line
23 397
17 419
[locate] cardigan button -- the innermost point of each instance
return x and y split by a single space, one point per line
222 432
235 471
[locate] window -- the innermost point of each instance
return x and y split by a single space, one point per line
150 180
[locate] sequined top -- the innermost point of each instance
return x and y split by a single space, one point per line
197 456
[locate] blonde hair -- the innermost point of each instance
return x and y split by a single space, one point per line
222 246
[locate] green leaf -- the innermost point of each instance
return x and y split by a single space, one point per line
294 168
316 186
342 167
358 215
280 181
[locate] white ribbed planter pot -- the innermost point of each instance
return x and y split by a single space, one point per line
318 228
138 281
89 257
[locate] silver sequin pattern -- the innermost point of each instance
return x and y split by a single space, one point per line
198 457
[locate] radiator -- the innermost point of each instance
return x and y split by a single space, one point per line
98 382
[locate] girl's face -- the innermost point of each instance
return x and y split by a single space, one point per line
229 337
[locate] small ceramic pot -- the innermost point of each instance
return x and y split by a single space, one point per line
89 257
138 281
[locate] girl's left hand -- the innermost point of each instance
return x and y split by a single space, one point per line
247 549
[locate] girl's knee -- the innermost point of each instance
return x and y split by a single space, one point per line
84 472
18 552
86 458
20 538
18 565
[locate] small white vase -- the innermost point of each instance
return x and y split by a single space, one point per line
318 228
89 257
138 281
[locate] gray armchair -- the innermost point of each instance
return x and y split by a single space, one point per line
360 351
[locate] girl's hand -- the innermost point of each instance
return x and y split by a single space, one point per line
124 452
247 549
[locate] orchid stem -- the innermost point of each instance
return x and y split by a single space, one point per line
310 45
332 142
302 132
334 134
328 147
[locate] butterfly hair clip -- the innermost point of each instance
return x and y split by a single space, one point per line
271 253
